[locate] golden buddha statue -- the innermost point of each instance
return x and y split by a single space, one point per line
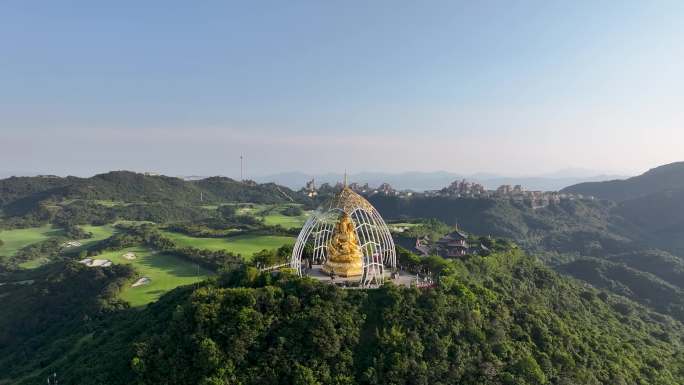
344 253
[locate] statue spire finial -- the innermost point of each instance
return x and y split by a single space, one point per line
345 177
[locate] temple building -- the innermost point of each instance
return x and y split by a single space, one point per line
453 245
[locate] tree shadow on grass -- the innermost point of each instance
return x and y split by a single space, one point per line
157 292
54 233
173 265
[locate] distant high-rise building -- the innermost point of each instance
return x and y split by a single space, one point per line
310 188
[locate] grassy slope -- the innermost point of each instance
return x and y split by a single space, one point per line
99 233
285 221
17 239
33 263
272 214
245 245
166 271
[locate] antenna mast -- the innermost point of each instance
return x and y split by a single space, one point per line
241 170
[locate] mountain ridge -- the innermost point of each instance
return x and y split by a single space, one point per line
658 179
421 181
133 187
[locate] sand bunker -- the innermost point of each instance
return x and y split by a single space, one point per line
141 281
129 256
96 262
71 244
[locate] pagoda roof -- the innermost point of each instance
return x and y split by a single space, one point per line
454 235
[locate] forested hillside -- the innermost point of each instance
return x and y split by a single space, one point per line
502 319
27 201
497 319
660 217
566 226
593 240
585 238
47 311
653 202
659 179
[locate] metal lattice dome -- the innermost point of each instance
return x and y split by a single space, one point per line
373 236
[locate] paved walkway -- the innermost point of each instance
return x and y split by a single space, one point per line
404 278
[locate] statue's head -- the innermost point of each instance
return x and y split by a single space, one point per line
346 220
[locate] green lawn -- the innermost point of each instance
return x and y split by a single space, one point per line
99 233
166 272
287 222
33 263
17 239
245 245
251 208
272 215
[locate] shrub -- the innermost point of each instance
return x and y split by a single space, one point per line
292 211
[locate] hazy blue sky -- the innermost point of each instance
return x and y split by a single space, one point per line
511 87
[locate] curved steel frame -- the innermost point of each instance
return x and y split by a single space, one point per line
374 237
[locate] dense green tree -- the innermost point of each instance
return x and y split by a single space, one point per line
278 256
292 211
227 212
501 319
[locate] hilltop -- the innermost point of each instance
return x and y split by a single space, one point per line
44 197
659 179
130 186
498 319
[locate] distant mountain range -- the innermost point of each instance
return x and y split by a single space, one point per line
420 181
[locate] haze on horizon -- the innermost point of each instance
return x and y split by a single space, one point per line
184 88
